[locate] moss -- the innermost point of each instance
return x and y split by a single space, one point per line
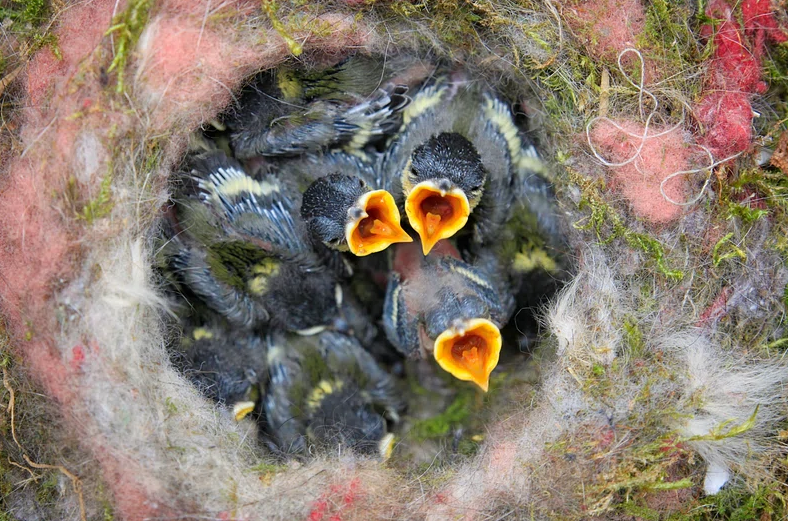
745 196
440 425
127 27
101 205
267 471
766 502
26 11
27 23
468 446
570 90
270 8
39 41
726 249
775 63
105 504
669 39
5 486
48 490
642 468
746 213
642 512
170 405
727 429
609 225
633 337
459 24
785 302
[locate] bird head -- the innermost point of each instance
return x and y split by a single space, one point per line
340 416
344 214
443 183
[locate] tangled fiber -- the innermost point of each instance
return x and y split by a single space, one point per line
660 366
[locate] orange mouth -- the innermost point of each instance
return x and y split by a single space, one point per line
436 214
470 354
378 227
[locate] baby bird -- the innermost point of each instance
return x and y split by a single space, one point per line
289 111
241 251
530 242
326 390
450 151
343 211
227 365
440 305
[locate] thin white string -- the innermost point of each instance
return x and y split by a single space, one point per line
712 164
641 92
642 137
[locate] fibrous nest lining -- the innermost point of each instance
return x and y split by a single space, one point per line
666 378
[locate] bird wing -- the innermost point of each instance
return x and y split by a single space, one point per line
487 130
421 119
259 210
345 355
284 398
477 281
295 110
400 323
311 166
208 278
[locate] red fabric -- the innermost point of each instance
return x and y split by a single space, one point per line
724 111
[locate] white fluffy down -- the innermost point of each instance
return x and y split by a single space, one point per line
731 406
584 318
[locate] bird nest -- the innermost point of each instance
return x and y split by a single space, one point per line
656 386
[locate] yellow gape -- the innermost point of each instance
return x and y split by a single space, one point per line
378 227
471 352
436 214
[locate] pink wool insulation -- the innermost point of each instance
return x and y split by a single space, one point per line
85 319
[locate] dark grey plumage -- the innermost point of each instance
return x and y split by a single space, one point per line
325 205
455 145
240 249
325 390
292 110
427 295
451 158
227 365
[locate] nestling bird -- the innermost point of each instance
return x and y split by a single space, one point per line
450 151
326 390
241 250
343 211
442 307
290 110
529 243
227 365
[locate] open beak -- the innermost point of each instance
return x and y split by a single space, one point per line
378 225
470 352
436 214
